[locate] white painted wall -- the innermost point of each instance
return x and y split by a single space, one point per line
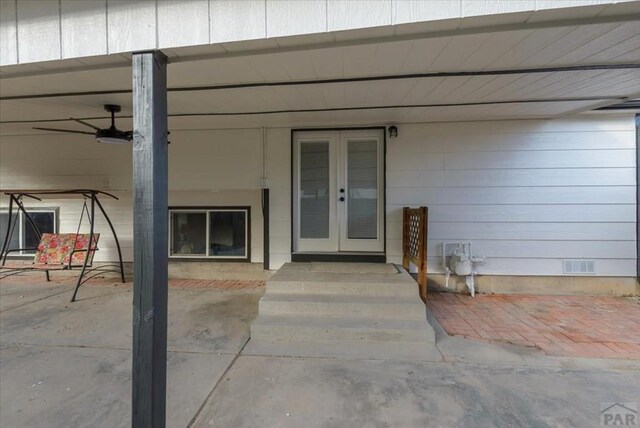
45 30
206 168
526 193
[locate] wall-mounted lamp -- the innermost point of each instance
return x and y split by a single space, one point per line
393 131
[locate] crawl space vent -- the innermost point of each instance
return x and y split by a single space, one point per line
579 267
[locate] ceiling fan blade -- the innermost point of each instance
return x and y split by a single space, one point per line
85 123
65 130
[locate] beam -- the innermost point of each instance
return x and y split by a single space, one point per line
426 75
150 211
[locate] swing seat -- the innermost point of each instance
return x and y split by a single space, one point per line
59 251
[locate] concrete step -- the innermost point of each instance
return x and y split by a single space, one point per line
299 328
409 290
344 349
344 306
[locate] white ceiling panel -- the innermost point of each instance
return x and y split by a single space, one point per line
554 52
457 51
628 50
528 46
602 44
493 48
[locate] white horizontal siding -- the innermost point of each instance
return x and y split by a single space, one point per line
525 220
558 177
526 200
527 231
524 213
544 267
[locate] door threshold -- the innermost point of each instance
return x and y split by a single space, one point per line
350 257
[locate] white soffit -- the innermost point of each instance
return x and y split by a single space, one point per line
429 98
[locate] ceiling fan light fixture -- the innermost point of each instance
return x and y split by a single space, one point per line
112 140
112 136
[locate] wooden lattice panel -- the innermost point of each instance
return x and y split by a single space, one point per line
414 243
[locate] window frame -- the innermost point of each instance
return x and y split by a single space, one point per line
21 228
207 210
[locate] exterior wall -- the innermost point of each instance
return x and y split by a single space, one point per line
206 168
526 193
46 30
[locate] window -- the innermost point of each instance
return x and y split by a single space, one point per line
212 233
24 236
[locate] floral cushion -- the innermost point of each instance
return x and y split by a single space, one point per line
56 248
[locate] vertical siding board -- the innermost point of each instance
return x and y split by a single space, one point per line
483 7
84 28
233 20
38 30
183 23
8 33
419 10
286 18
131 25
348 14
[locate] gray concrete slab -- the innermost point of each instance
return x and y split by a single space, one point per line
199 320
68 365
91 387
15 295
312 392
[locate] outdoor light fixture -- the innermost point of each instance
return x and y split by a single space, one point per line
393 131
112 136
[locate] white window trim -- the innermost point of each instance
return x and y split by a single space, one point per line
208 212
21 225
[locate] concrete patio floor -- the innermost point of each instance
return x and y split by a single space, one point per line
68 365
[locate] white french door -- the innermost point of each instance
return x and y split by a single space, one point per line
338 189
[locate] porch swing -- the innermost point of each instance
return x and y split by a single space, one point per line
60 251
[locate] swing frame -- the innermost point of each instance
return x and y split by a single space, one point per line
87 270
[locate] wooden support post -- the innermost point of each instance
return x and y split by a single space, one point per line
150 225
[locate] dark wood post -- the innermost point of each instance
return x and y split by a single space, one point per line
150 230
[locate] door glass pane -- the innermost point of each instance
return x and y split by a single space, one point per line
314 189
227 233
362 189
44 221
189 233
14 240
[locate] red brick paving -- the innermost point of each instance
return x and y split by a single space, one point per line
219 284
576 326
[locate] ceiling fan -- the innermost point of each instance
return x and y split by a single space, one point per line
110 135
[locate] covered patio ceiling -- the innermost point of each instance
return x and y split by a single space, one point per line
515 71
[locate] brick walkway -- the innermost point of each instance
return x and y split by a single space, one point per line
220 284
576 326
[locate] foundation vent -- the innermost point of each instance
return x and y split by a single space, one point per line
579 267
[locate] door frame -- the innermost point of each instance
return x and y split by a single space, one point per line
340 257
